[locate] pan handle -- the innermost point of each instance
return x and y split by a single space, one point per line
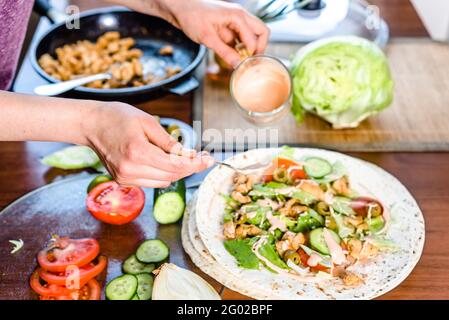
44 8
184 87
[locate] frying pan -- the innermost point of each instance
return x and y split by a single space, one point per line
151 33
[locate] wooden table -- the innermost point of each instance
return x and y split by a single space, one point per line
426 175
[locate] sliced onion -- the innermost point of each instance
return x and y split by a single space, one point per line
175 283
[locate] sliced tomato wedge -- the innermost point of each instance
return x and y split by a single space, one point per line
86 273
111 203
90 291
65 252
305 257
296 172
48 290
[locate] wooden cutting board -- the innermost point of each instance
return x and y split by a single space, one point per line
417 120
59 208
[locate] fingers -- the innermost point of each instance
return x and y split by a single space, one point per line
159 136
225 51
262 32
228 36
245 33
243 26
146 183
152 177
143 160
139 171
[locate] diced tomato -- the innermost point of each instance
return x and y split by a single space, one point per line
305 257
65 252
111 203
86 273
295 173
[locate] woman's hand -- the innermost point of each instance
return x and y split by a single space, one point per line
216 24
137 150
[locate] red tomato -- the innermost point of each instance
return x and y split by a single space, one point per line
115 204
48 290
86 273
65 252
305 257
90 291
295 173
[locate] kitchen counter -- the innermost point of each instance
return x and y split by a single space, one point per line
426 175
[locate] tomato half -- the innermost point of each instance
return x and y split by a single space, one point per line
65 252
295 173
48 290
111 203
90 291
86 273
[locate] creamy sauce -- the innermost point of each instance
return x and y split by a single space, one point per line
276 223
251 215
268 203
328 198
288 191
261 86
314 259
293 168
370 208
338 257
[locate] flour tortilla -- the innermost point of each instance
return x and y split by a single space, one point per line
381 274
198 253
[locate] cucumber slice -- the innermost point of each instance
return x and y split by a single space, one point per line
168 208
144 286
169 203
121 288
317 240
135 297
316 216
73 157
317 167
134 266
152 251
98 180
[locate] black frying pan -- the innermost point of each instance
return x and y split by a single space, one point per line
150 33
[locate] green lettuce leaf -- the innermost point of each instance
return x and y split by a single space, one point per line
342 80
241 250
269 252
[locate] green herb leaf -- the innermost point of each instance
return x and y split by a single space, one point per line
241 251
269 252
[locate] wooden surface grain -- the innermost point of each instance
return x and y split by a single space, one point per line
426 175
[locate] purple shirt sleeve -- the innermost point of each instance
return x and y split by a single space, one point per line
14 16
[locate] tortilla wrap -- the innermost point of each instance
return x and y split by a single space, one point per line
381 274
198 253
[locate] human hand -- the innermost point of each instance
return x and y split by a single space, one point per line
137 150
216 24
